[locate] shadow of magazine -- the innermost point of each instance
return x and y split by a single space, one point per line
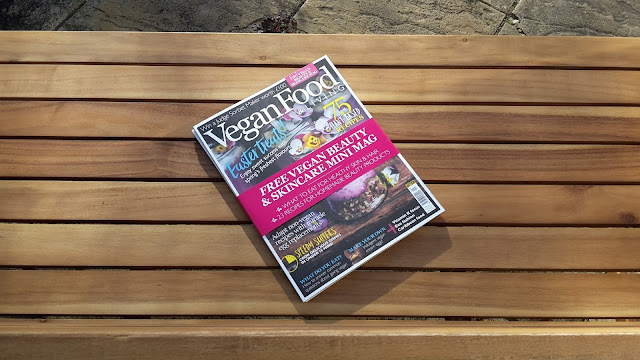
374 289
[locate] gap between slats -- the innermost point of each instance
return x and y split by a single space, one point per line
293 66
247 222
417 320
216 181
6 319
229 102
365 268
403 141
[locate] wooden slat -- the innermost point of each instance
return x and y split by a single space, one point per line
189 201
267 292
118 159
199 48
343 339
103 119
371 85
440 122
508 123
503 163
433 162
514 248
118 201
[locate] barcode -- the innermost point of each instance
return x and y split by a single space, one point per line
423 200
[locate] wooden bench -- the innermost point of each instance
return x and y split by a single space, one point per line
118 238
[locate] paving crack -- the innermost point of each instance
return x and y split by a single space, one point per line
70 15
491 6
509 17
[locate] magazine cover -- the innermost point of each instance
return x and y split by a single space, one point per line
322 183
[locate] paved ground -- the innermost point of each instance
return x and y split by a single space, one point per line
510 17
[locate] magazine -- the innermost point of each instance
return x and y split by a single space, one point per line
323 184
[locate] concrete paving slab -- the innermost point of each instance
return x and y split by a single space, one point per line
398 17
35 14
579 17
502 5
169 15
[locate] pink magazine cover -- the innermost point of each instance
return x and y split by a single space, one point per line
322 183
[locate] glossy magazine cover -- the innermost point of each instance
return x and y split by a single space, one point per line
322 183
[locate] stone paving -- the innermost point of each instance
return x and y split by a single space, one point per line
497 17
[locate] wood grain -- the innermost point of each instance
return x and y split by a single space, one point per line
166 246
371 85
459 123
103 119
78 200
190 201
364 293
389 50
432 162
116 159
320 339
504 163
